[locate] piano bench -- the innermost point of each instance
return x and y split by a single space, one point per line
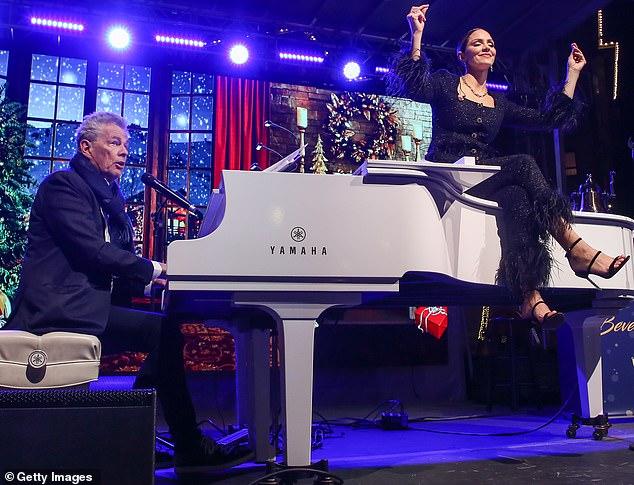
49 361
511 363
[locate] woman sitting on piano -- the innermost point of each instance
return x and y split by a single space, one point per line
466 119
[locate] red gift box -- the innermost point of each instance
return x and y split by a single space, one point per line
431 319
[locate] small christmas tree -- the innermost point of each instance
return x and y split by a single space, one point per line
15 197
319 159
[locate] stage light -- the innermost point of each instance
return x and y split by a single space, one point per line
118 37
56 24
381 70
497 87
165 39
352 70
297 56
239 54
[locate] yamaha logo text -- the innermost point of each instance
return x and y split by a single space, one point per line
298 235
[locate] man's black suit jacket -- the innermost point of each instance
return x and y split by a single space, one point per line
68 269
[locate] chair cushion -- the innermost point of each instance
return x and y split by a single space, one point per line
52 360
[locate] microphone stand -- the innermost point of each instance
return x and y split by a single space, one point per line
160 244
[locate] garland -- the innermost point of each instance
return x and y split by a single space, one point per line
343 109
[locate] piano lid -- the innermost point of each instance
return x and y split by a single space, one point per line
284 164
462 175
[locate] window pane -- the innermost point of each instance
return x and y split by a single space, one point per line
108 100
177 180
131 186
199 186
73 71
203 84
202 113
39 139
178 150
136 108
135 213
137 78
181 82
176 224
70 105
180 113
110 75
137 149
39 170
4 62
201 150
65 145
44 68
41 101
59 166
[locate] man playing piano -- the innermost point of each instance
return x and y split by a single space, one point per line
80 242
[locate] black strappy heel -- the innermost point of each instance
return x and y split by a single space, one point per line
551 320
612 270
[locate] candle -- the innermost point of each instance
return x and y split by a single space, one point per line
302 117
406 143
418 132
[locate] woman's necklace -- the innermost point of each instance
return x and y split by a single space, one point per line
486 91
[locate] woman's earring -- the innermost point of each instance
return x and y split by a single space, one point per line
491 68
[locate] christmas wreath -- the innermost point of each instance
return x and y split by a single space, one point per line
343 109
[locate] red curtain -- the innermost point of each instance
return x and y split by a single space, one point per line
241 109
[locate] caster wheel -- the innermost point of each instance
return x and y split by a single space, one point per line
598 435
571 432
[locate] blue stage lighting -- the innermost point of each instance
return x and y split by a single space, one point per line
166 39
118 37
239 54
497 87
352 70
381 70
301 57
56 24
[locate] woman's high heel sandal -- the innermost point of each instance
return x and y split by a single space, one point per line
551 320
612 270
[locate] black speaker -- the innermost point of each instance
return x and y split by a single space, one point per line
108 435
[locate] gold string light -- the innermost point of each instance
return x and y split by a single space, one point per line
484 323
609 45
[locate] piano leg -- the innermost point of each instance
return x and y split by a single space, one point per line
253 382
579 351
580 362
297 344
296 317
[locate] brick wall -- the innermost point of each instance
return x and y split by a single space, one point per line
285 98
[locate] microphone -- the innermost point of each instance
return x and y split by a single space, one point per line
269 123
259 147
171 195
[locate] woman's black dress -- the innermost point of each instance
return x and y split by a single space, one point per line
531 209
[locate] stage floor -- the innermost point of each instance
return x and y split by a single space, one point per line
450 443
457 451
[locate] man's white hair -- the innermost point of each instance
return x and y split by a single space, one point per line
92 124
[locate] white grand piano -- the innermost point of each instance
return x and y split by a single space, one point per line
294 245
